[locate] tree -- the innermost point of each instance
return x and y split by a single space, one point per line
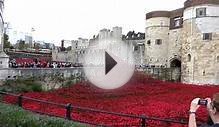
6 42
68 48
22 45
36 46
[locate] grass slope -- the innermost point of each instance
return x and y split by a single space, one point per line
13 116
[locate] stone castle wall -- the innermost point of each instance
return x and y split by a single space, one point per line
64 56
202 69
157 28
175 45
199 57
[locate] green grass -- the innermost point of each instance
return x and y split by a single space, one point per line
13 116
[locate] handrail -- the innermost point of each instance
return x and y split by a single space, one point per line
43 101
97 110
6 93
129 115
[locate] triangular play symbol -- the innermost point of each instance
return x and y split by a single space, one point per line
109 63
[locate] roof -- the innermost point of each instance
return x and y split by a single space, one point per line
154 14
190 3
179 12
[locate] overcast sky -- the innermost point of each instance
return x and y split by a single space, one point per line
70 19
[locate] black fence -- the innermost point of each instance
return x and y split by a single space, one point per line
71 112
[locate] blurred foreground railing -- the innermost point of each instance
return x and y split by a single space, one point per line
81 114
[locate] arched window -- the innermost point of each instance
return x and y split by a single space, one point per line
189 58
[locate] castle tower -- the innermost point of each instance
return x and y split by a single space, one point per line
117 32
156 37
189 39
175 38
104 34
200 47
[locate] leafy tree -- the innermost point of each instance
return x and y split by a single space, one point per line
22 45
36 46
7 44
68 48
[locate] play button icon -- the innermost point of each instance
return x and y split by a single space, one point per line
109 63
109 66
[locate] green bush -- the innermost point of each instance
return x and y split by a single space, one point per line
21 85
12 116
68 83
31 84
36 87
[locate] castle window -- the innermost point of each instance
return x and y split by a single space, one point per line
162 23
217 59
200 12
0 62
203 72
149 42
135 48
153 66
177 22
189 58
158 42
207 36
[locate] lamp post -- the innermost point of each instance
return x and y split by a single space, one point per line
32 34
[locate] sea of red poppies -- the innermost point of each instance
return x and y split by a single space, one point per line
141 96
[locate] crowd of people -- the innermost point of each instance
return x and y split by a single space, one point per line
34 63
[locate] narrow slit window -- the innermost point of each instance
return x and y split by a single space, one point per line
217 59
149 42
189 58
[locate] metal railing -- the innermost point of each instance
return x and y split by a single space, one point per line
69 111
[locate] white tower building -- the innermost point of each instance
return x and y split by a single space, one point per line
187 38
